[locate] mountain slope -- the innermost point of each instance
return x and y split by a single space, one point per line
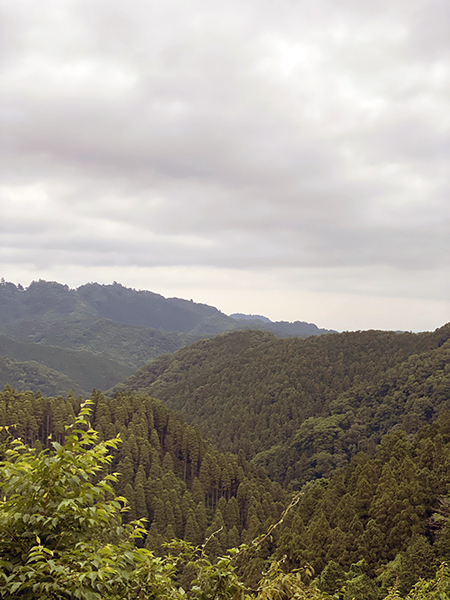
32 375
280 328
125 344
85 369
53 301
118 324
146 309
302 407
379 522
114 302
169 473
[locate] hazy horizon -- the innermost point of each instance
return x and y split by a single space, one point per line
229 313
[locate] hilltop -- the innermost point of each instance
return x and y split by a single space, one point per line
117 329
303 407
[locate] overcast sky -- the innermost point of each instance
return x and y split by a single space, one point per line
281 157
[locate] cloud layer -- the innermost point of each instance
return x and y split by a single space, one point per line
305 141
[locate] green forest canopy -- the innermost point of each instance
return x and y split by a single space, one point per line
358 423
303 407
371 522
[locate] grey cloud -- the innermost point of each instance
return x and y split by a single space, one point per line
233 134
409 139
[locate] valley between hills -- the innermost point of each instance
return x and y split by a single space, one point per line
224 420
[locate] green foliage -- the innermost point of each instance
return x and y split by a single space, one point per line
434 589
217 580
301 408
160 460
382 510
391 510
61 534
276 584
370 523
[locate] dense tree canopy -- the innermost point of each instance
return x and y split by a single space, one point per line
181 484
303 407
61 532
358 424
62 536
390 512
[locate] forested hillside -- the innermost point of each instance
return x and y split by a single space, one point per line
280 328
81 370
169 474
122 329
303 407
390 515
356 426
24 375
113 302
376 523
119 304
130 346
111 321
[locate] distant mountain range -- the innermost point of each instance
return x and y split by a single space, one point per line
107 332
280 328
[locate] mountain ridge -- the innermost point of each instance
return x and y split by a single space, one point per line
138 308
112 322
252 391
